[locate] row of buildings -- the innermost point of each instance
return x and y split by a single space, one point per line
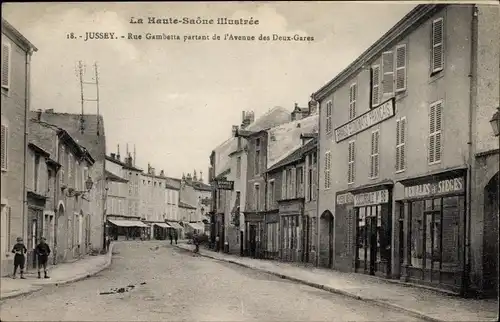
393 168
57 181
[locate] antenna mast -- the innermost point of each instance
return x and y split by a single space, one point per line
83 99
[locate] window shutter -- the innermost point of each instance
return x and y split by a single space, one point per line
353 172
401 68
349 155
372 154
352 101
376 161
437 143
437 45
432 118
388 71
375 85
293 182
402 142
314 178
283 185
6 54
61 177
398 140
4 146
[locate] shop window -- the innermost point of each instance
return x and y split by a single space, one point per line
361 235
416 215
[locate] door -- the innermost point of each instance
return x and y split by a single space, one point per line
306 239
330 244
33 241
242 250
253 235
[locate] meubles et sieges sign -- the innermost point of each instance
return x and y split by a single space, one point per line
365 121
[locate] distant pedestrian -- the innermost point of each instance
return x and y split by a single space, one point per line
175 236
42 251
217 243
171 238
196 243
108 243
19 250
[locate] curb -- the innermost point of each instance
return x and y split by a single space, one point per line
326 288
38 286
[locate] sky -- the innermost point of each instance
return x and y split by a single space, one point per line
175 100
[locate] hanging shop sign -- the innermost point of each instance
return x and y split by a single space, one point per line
365 121
371 198
345 198
224 185
435 188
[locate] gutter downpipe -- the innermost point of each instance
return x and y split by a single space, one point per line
472 107
318 252
26 120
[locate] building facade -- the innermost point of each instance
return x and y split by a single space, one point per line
397 105
172 188
118 186
16 94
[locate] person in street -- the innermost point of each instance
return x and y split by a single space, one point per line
196 243
108 243
19 258
175 236
42 251
217 243
171 238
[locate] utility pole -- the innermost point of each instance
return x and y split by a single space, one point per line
81 73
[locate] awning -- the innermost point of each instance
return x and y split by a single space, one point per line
196 226
127 223
162 225
175 225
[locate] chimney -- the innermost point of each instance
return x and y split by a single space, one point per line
113 156
194 176
153 171
247 119
201 176
50 110
39 114
134 157
313 105
118 153
162 173
234 130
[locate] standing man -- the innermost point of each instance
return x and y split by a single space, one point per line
42 251
170 237
175 236
19 250
196 243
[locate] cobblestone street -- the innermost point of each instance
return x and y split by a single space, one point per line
154 281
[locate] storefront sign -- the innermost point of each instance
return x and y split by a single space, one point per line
366 120
436 188
224 185
345 198
371 198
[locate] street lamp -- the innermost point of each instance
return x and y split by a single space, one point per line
89 184
495 122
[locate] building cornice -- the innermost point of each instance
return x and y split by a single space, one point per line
408 23
8 28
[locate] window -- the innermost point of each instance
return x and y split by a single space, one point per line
401 68
374 156
351 169
300 182
437 58
271 192
257 156
310 185
70 168
6 223
62 180
35 173
4 146
329 107
400 144
238 168
6 65
435 132
283 185
292 184
388 72
375 85
352 101
328 164
257 196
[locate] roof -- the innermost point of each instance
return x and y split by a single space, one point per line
222 159
197 185
309 135
275 116
123 164
95 144
114 177
38 150
185 205
408 23
295 155
285 139
172 183
8 27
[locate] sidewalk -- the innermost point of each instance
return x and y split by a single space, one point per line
60 274
422 303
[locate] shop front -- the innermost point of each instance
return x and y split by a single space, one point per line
254 231
345 247
434 230
291 214
373 230
272 235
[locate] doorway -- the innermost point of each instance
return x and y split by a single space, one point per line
368 239
490 236
253 240
327 238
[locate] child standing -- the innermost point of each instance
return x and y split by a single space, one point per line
19 250
42 251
